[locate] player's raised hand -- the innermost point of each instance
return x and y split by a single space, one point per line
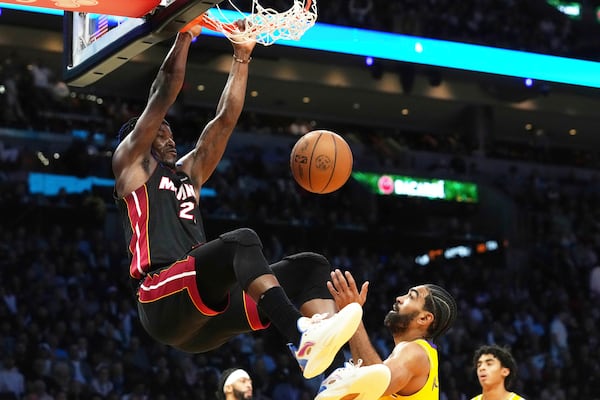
195 30
194 27
344 290
242 47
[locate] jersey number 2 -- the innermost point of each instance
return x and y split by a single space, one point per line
186 210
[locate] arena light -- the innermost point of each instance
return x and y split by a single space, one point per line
440 53
51 184
572 9
464 250
453 55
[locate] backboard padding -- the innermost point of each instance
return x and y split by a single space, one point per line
131 8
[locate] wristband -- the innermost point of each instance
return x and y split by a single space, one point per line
191 34
241 61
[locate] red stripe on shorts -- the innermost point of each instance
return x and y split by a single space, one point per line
179 276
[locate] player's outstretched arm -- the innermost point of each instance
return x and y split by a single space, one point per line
344 290
201 162
136 146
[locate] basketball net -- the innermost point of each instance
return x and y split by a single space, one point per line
264 25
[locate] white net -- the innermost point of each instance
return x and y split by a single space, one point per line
266 25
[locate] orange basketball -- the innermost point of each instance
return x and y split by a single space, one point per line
321 161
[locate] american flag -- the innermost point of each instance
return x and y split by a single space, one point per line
101 28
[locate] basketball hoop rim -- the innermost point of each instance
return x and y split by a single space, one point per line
267 25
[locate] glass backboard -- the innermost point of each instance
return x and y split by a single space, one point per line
97 44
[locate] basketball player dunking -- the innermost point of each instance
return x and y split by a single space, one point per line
192 294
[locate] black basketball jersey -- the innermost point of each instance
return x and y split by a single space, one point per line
161 220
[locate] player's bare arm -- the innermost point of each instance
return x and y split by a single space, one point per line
362 348
408 363
344 291
201 162
409 366
132 162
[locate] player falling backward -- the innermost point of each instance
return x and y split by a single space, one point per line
417 319
195 294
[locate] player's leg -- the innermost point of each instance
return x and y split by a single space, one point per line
170 307
177 302
241 316
303 276
240 252
237 256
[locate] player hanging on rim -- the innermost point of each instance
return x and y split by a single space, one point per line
192 294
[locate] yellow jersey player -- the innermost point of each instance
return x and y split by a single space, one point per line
496 369
416 320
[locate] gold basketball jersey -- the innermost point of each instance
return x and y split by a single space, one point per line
512 396
431 388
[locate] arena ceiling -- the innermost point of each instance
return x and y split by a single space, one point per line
327 87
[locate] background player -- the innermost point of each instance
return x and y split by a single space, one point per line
235 384
496 369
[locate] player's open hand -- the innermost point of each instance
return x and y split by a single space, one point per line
344 290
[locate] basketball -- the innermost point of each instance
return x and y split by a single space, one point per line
321 161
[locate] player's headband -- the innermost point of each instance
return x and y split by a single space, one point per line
234 376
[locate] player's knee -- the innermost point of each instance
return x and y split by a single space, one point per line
308 259
309 274
313 266
242 236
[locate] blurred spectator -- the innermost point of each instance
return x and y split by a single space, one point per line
540 293
101 383
12 381
82 371
38 391
559 348
595 283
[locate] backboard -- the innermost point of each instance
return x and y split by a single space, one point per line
96 44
